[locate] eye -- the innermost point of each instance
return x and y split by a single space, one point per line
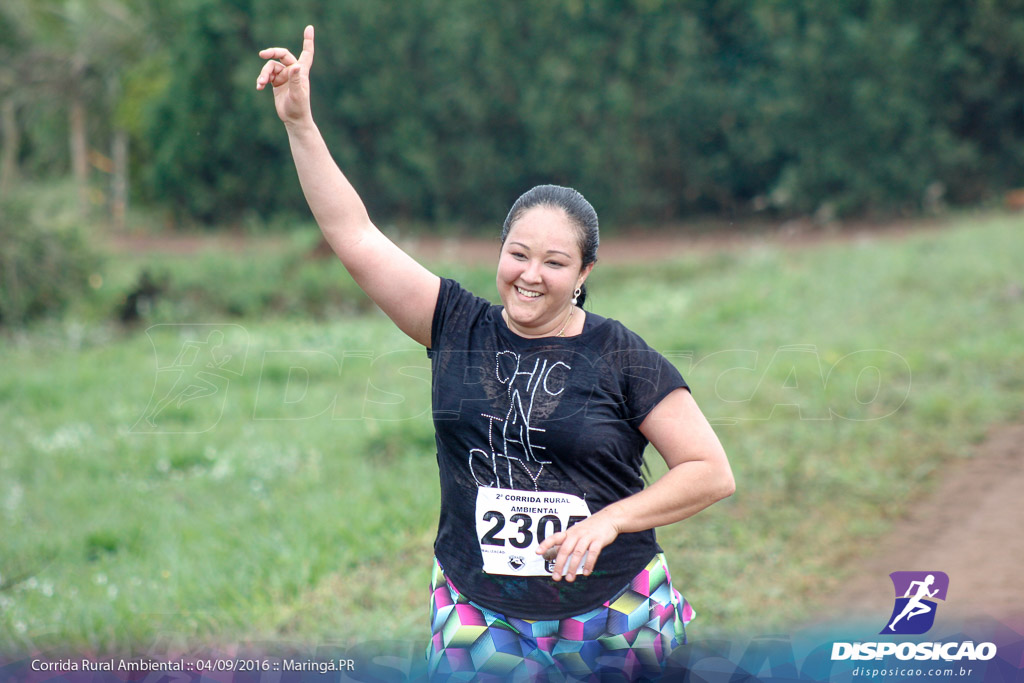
556 264
518 255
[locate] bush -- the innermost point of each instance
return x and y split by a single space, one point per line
43 266
291 280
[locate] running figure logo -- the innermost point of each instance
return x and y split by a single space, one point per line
194 366
916 595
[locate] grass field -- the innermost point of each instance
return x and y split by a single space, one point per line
291 494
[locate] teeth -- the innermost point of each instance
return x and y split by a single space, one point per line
526 292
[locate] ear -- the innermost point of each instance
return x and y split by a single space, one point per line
584 274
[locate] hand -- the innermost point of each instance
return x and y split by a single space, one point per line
290 78
577 548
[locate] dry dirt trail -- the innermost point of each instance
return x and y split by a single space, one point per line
971 527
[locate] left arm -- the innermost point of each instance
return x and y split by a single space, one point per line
698 475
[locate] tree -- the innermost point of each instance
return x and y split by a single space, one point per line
73 52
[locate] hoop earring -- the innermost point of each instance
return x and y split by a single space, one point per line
576 295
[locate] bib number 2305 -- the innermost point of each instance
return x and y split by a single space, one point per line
511 524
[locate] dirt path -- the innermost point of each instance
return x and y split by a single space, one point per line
668 242
971 527
624 247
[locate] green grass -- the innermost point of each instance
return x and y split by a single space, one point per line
297 502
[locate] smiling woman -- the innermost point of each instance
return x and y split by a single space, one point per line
546 559
541 270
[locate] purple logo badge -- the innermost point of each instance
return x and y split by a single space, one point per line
916 595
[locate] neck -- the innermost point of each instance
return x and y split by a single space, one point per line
557 328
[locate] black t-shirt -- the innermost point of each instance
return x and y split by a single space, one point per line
532 435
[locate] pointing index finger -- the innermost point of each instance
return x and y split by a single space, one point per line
306 57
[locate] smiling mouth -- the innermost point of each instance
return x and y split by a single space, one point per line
527 293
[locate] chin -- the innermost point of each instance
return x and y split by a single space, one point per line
521 317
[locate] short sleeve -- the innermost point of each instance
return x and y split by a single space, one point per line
456 310
646 376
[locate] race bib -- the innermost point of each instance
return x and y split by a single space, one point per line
511 524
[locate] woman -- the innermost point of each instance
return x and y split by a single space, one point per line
546 558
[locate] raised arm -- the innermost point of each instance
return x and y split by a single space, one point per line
397 283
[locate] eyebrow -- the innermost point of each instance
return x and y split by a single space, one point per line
550 251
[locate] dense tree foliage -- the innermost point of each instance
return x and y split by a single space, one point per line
445 110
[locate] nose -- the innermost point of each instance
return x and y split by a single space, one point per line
531 273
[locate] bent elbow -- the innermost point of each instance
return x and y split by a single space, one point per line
726 483
728 486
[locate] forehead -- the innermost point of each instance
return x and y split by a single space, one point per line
545 228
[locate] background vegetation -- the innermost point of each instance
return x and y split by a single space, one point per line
446 111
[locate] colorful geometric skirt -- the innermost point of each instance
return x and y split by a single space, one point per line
628 638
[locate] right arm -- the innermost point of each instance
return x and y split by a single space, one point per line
397 283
